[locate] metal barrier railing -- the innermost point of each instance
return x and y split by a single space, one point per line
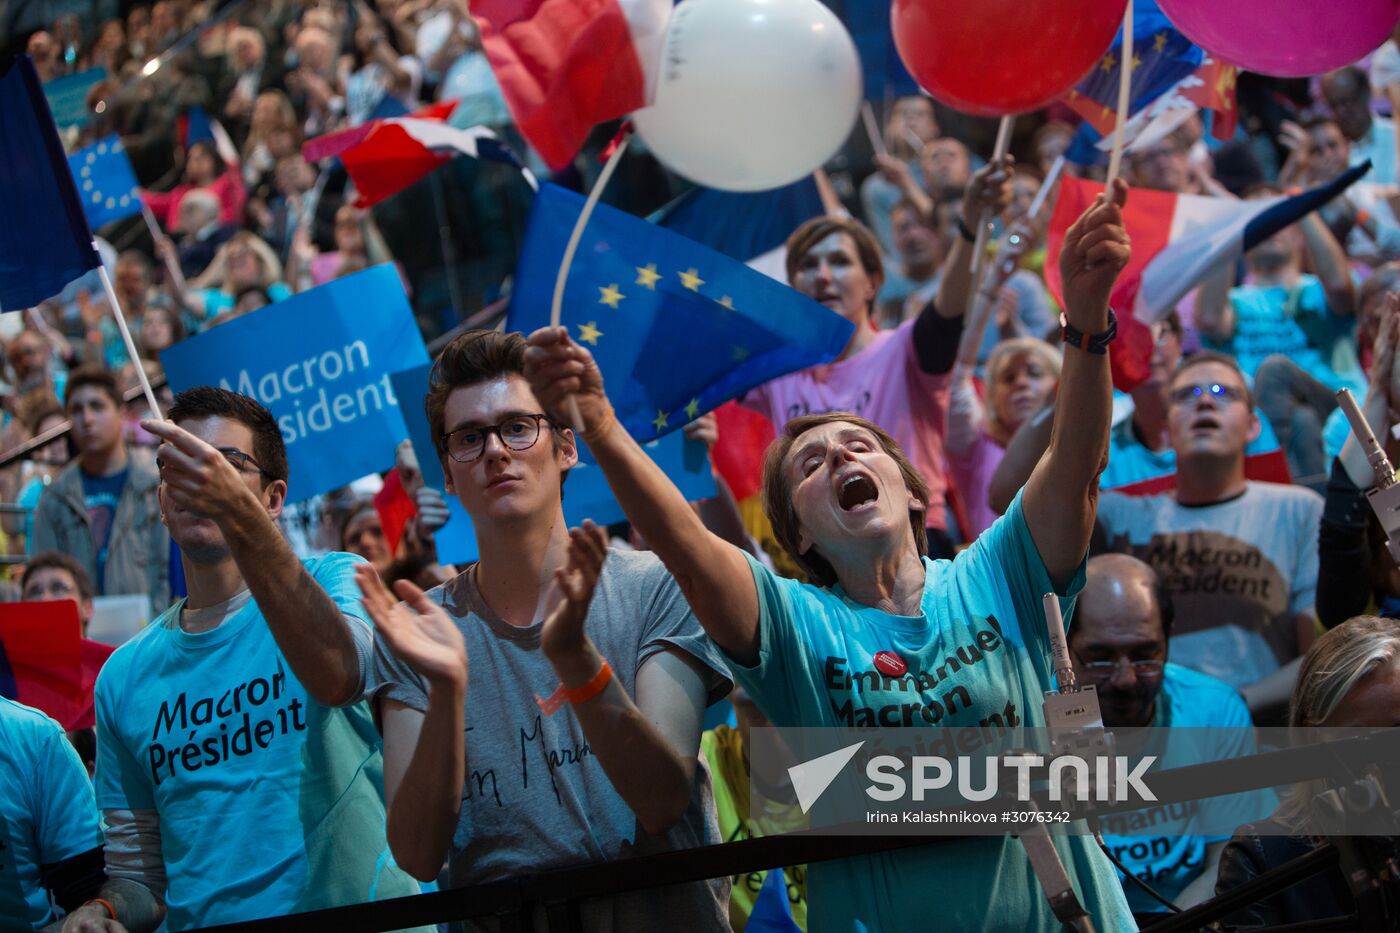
516 901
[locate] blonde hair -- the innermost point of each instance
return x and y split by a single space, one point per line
1337 662
1006 353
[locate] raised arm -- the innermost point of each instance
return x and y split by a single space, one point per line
307 624
1329 263
988 189
713 574
1061 496
1023 452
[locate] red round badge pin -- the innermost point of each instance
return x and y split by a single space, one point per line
890 664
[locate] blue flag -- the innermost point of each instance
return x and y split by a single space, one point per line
868 22
588 494
320 361
45 242
742 225
1163 57
771 911
677 328
106 182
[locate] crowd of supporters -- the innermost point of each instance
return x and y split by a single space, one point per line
277 732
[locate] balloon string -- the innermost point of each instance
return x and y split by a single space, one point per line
556 306
1125 83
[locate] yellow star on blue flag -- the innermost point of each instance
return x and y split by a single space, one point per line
672 350
106 183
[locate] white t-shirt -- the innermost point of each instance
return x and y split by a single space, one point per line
1239 572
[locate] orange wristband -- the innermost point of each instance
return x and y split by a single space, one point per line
106 905
597 685
583 694
1363 216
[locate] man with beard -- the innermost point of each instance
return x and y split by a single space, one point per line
1119 644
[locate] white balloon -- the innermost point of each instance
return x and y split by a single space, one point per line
752 94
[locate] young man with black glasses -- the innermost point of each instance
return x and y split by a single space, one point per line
1120 644
543 708
238 775
1239 557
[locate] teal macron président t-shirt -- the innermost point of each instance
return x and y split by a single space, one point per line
47 814
978 655
1166 846
269 802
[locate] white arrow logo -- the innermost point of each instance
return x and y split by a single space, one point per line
811 778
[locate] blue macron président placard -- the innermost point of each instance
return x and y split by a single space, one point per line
321 363
586 493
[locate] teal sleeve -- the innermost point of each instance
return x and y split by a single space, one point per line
785 682
1006 556
122 782
66 821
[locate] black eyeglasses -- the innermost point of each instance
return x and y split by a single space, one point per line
1103 671
1183 394
518 432
240 461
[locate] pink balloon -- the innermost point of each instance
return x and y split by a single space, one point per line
1286 38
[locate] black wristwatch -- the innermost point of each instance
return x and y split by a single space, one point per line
1089 343
965 231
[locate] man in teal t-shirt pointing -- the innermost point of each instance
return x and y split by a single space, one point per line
238 770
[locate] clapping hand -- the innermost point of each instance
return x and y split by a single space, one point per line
418 630
562 637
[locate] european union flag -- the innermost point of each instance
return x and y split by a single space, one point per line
1162 56
45 242
677 328
106 182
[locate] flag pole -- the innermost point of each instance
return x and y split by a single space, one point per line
126 338
872 129
975 330
984 222
556 306
1125 83
171 264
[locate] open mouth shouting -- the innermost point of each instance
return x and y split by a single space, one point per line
855 490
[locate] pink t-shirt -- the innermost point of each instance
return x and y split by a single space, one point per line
972 472
884 384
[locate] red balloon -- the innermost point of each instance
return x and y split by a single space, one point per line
996 57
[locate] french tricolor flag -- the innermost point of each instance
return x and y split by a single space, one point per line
1178 240
565 66
385 156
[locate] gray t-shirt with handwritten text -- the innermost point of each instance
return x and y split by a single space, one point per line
536 797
